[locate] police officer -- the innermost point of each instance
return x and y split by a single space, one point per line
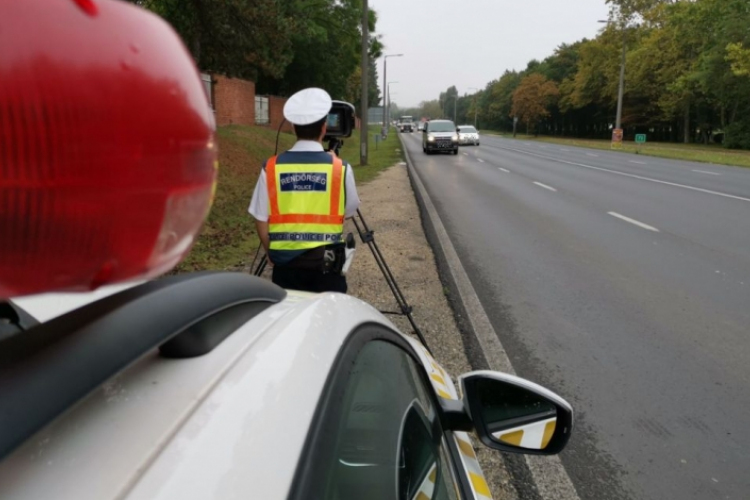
301 200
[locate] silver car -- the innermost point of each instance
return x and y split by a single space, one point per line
468 135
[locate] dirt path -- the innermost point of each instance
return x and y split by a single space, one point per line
390 209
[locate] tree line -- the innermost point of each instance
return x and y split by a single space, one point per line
687 79
281 45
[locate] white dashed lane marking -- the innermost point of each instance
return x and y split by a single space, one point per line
592 154
545 186
638 162
634 222
706 172
503 170
480 160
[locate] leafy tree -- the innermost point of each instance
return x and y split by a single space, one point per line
217 34
532 99
739 57
498 101
283 45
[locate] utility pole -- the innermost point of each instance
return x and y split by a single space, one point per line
455 107
365 105
621 90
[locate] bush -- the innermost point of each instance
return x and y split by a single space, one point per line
738 135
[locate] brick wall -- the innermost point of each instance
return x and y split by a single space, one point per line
234 101
276 114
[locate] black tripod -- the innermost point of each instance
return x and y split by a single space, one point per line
368 237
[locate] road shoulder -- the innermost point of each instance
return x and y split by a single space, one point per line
532 476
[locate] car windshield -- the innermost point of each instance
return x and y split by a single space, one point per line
468 130
442 127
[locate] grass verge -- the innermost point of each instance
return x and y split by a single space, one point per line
228 239
691 152
382 154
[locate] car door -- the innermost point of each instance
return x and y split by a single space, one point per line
376 433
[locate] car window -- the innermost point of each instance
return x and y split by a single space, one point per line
469 130
442 127
383 440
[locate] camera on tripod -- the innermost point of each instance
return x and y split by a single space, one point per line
340 124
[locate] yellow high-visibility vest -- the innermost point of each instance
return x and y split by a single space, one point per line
306 205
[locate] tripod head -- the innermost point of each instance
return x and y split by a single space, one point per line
335 145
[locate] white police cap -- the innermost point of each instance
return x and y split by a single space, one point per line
307 106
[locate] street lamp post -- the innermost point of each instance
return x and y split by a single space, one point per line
385 73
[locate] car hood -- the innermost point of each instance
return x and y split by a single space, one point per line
442 134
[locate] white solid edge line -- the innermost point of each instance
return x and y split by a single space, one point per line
634 222
706 172
545 186
674 184
504 170
550 477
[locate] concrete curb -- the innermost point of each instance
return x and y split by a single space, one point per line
548 477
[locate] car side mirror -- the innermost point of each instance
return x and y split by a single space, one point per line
515 415
510 414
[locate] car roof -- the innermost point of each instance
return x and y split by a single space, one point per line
151 431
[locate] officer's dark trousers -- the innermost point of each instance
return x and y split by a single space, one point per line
308 280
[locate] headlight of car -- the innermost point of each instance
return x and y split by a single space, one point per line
455 138
431 138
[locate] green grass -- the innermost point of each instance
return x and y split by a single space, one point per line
382 155
228 239
691 152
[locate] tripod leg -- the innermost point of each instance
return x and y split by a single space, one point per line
261 266
368 238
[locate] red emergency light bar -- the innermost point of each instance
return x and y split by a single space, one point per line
107 159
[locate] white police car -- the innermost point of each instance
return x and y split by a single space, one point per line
198 386
222 385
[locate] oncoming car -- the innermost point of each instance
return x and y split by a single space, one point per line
406 124
468 135
440 136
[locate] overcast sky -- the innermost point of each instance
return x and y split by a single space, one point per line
467 43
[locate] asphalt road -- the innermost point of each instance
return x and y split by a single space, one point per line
623 283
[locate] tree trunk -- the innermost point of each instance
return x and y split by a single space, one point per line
687 123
